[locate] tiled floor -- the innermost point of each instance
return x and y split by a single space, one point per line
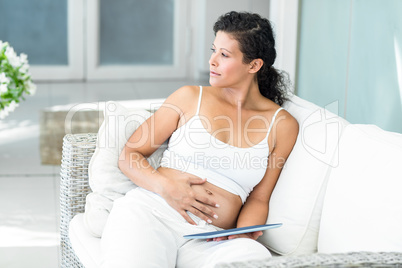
29 191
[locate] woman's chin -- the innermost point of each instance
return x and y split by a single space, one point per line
214 83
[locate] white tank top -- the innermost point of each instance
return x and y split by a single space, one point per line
194 150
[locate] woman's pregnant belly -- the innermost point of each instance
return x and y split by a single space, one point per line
229 203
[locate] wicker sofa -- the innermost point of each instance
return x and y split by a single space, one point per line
74 188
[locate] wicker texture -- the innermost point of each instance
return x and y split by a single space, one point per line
74 187
353 259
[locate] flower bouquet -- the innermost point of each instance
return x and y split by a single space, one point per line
15 79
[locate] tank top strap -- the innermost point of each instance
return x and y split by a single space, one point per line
272 121
199 101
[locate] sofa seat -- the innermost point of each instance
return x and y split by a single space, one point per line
86 246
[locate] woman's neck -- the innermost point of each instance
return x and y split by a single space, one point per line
242 97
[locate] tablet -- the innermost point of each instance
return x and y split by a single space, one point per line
241 230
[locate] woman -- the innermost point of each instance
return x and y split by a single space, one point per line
228 144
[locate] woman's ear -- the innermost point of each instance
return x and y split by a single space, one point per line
255 65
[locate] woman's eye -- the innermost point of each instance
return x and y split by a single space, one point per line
223 54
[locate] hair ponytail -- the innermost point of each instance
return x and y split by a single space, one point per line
273 84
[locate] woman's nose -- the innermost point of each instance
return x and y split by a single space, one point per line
212 61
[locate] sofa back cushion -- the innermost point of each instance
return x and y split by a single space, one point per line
298 195
363 205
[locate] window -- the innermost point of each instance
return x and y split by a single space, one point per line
48 32
129 39
98 39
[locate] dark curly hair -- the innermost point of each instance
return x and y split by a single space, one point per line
256 41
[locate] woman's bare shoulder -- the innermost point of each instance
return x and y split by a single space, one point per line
287 125
187 91
183 97
287 119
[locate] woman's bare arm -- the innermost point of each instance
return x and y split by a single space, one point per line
149 137
255 209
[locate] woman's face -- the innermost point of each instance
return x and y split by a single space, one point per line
226 63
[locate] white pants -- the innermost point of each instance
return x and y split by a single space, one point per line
144 231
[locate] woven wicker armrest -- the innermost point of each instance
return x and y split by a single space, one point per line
352 259
74 187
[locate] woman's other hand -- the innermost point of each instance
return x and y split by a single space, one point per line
252 235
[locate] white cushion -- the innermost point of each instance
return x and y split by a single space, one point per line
297 198
363 204
86 247
105 178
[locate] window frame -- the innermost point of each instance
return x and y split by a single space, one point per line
94 71
74 70
285 18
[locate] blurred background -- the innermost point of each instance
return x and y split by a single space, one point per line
345 55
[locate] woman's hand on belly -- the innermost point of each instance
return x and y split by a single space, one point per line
230 204
179 194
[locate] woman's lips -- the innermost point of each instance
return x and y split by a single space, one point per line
212 73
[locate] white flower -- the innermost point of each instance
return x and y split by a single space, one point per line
24 58
21 79
10 53
3 88
11 107
24 68
4 78
12 57
31 87
8 109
